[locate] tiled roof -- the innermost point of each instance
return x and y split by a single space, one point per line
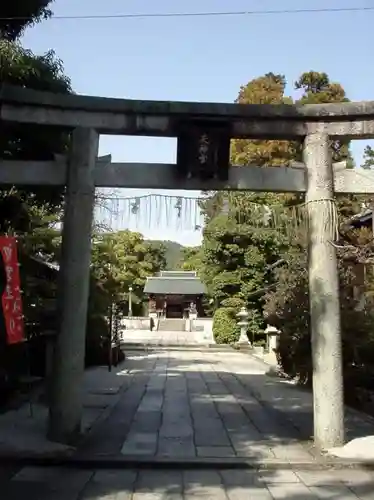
174 286
178 274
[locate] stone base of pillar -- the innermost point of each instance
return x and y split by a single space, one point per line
243 339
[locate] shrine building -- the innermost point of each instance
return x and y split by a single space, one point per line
175 294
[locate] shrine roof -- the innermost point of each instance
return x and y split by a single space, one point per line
175 283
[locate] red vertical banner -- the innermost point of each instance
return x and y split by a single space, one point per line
11 297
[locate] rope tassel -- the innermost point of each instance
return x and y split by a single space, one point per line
184 213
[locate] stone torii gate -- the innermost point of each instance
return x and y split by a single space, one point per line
204 131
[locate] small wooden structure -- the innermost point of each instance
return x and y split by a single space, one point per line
175 294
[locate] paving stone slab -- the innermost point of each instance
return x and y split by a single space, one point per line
140 495
121 477
176 447
110 485
23 490
211 438
284 491
64 477
256 451
140 443
278 476
176 430
100 491
333 492
215 451
54 484
150 404
201 477
107 391
249 493
47 483
170 482
176 414
240 478
244 433
320 478
212 400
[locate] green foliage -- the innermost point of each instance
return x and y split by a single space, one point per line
119 261
31 142
236 256
155 256
15 17
225 328
268 89
173 254
122 260
256 324
368 158
287 308
31 214
318 89
233 303
238 246
191 259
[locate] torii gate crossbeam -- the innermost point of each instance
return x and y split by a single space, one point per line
87 117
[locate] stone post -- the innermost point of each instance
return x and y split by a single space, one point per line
66 404
324 295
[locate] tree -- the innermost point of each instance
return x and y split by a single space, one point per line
30 142
191 259
318 89
24 211
15 17
287 307
368 158
21 67
238 245
30 213
122 260
245 233
155 255
268 89
173 252
237 254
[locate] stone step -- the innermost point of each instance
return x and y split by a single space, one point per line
172 325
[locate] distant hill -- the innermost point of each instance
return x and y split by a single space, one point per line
173 254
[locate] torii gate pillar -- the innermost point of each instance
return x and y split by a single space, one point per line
326 341
66 399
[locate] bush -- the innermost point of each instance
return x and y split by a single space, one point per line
96 340
256 326
233 303
287 308
225 328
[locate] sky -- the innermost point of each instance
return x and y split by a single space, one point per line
203 59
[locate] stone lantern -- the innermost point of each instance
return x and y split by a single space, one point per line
272 334
243 323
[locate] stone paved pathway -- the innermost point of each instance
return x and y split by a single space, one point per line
210 404
60 484
191 403
156 338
